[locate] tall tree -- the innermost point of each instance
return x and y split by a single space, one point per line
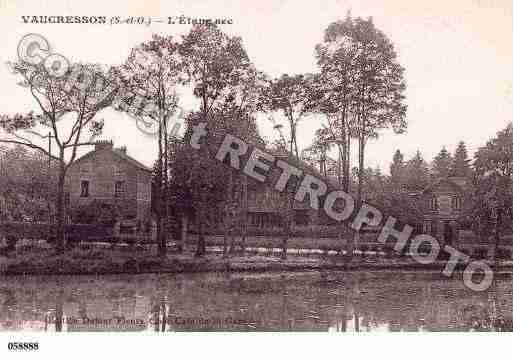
442 164
360 63
397 170
496 155
493 199
290 95
229 89
316 154
215 63
334 85
461 163
200 180
379 88
417 173
67 106
153 71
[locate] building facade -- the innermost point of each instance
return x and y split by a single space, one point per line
441 205
267 208
111 177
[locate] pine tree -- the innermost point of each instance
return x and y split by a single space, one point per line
461 163
417 173
442 164
397 169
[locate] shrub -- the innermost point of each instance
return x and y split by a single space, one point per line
96 212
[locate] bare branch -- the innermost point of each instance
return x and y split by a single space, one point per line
31 145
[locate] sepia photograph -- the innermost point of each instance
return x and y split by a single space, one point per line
320 169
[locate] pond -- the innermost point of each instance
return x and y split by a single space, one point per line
300 301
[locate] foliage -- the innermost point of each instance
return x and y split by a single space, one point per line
154 70
397 169
217 65
27 185
442 164
493 191
316 155
361 81
289 95
229 89
418 174
68 106
96 212
461 163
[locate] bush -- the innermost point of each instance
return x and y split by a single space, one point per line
96 212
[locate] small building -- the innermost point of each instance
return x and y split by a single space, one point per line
267 207
111 177
441 204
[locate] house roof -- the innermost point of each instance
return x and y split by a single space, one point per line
133 161
118 153
441 181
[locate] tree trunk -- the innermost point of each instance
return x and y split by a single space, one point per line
60 232
361 164
245 216
347 164
288 226
340 166
184 228
361 169
165 190
225 243
243 245
59 311
161 237
284 246
200 249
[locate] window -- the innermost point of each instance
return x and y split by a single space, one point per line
456 203
143 191
119 188
427 227
434 203
117 171
84 189
86 167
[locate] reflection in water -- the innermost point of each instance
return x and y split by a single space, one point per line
328 301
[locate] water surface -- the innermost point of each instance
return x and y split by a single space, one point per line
311 301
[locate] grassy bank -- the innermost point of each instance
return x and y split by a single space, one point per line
93 261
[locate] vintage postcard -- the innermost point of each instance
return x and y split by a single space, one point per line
254 166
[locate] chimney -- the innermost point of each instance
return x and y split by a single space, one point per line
121 149
103 145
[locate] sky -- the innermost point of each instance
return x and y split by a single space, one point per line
457 55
